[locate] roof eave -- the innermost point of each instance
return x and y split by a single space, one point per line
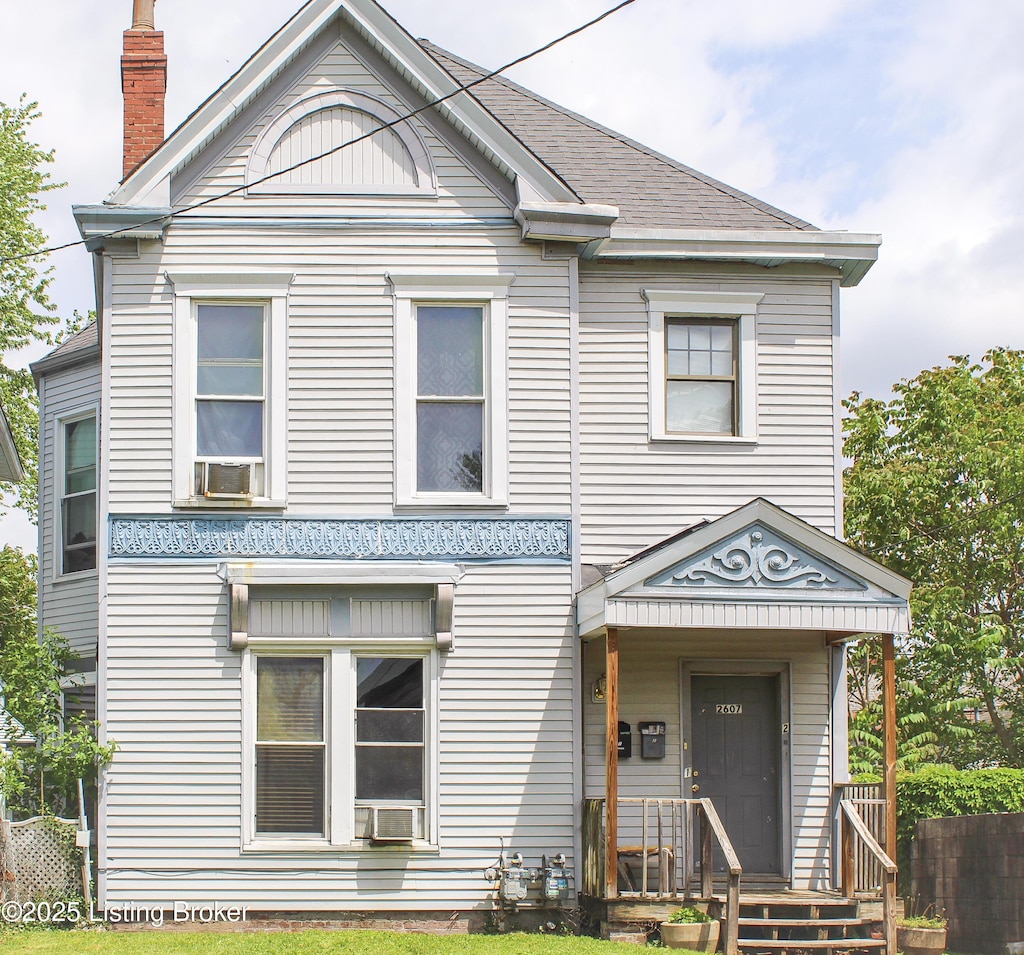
407 56
10 462
852 253
98 223
565 221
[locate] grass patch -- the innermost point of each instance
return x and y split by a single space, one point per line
41 942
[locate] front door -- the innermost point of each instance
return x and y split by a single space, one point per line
736 762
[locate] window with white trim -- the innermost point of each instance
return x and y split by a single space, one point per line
451 432
702 365
79 472
337 736
230 370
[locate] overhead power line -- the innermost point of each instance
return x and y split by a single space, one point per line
330 152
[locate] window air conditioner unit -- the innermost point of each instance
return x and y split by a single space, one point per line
230 481
391 824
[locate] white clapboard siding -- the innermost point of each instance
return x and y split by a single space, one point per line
67 604
636 492
173 793
459 190
649 689
340 383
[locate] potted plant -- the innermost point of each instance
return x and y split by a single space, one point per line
923 934
690 928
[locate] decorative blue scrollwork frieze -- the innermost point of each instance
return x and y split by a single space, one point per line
390 539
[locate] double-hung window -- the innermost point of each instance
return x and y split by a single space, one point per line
338 737
230 388
451 429
700 376
702 365
78 494
230 382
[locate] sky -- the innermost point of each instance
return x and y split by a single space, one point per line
904 119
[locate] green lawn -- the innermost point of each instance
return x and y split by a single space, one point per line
39 942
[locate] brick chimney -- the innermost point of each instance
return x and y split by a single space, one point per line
144 84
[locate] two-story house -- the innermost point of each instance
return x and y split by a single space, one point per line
424 445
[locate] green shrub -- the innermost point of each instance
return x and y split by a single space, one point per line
938 791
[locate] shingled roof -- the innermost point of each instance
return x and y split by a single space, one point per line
605 167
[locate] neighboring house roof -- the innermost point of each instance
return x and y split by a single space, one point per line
80 348
10 463
606 167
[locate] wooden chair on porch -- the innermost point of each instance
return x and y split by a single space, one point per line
635 883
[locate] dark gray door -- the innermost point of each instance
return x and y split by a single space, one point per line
736 761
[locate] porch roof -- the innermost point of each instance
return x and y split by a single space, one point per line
757 567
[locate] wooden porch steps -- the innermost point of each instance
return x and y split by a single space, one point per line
779 924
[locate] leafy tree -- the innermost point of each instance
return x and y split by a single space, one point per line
935 491
40 777
25 308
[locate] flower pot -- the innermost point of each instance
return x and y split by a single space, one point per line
696 936
920 941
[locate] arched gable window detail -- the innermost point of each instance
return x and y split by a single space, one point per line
393 160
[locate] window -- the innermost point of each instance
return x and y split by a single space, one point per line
450 390
230 382
700 376
230 368
78 494
389 729
449 397
337 735
702 365
290 750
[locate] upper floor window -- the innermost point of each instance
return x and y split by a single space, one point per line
450 401
451 429
700 379
78 494
230 382
230 388
702 365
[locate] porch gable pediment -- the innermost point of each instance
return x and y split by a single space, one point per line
756 567
756 558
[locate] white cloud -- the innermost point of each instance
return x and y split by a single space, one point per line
904 119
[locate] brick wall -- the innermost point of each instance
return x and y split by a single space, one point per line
973 867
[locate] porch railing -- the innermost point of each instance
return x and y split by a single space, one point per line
680 836
867 799
857 838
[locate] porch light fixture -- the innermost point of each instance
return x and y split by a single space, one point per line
599 690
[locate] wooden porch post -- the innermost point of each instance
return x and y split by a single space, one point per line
889 721
611 765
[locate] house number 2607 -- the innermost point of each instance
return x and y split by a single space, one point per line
729 709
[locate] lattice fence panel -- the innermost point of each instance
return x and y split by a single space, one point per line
39 859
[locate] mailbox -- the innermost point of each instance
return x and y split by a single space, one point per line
625 740
652 740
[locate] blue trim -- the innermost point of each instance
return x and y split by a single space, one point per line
411 538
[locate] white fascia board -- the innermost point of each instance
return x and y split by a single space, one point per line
338 573
10 462
395 44
565 221
761 511
853 253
